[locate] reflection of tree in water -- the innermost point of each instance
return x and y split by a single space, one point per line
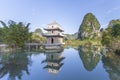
111 63
89 56
14 64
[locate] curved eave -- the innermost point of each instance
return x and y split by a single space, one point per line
51 29
54 67
45 35
57 44
55 61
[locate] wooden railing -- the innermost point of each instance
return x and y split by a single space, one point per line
33 44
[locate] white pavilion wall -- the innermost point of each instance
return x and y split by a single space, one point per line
54 32
60 40
55 40
56 56
48 40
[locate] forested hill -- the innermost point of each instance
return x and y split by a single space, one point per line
89 27
71 36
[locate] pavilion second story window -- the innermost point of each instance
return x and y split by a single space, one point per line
52 40
52 31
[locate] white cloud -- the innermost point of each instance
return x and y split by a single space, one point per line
33 12
109 11
104 25
116 8
113 9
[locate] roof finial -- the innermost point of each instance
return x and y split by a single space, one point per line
54 21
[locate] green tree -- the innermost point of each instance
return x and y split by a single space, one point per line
15 34
38 30
116 31
1 34
113 22
36 37
106 37
111 36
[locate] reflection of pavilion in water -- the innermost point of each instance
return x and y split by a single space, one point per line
54 62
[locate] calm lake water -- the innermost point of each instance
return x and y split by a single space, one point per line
69 64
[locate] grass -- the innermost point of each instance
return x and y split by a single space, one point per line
82 43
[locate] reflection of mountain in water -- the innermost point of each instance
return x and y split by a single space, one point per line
111 63
14 64
54 62
89 56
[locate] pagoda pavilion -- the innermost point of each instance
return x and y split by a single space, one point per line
54 36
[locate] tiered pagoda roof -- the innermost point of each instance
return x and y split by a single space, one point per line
53 35
54 26
54 67
49 29
54 61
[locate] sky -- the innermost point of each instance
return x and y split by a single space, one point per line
68 13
